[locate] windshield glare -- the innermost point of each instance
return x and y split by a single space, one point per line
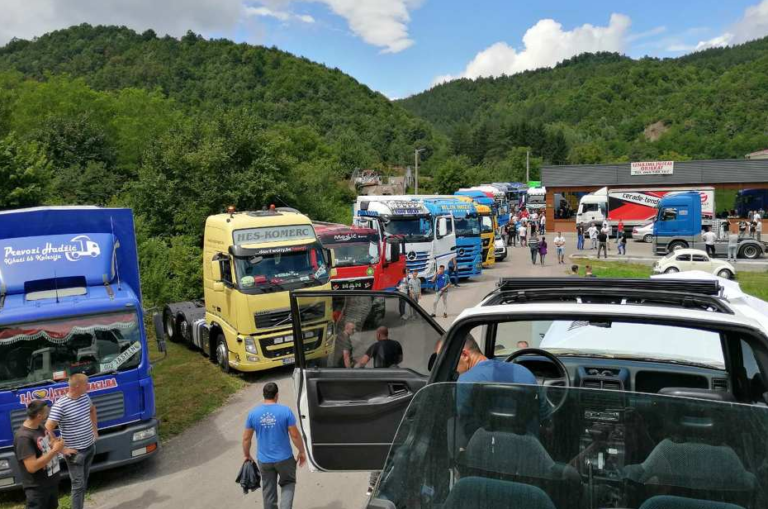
481 446
357 253
467 226
303 266
410 228
54 350
487 224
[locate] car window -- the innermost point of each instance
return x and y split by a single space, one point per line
683 258
700 258
384 330
480 446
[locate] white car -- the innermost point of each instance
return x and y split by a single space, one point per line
684 260
643 233
499 249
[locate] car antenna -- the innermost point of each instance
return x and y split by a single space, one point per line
56 285
115 245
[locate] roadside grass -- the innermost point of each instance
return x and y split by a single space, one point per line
753 283
188 387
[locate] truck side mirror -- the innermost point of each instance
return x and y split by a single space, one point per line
157 321
392 253
218 285
442 227
330 258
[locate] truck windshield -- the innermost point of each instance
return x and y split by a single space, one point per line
273 269
413 229
53 350
467 226
487 224
349 254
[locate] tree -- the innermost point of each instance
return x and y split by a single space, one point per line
454 174
589 153
24 173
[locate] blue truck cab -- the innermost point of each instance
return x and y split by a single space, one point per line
469 246
678 225
70 302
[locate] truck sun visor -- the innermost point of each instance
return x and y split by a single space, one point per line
61 331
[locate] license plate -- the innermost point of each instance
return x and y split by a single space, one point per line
289 360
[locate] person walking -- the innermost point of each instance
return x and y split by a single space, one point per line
414 286
533 245
275 428
619 230
560 248
75 414
523 233
733 246
441 282
602 241
38 457
514 227
709 239
543 223
342 348
402 287
580 236
543 249
593 235
607 230
622 242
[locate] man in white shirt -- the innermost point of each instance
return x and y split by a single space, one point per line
522 232
543 223
560 245
709 239
592 231
759 229
756 218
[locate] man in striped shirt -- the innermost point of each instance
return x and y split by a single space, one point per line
75 415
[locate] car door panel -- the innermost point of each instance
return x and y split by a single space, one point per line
349 417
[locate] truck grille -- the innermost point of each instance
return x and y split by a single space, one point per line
466 258
289 348
282 317
108 408
418 261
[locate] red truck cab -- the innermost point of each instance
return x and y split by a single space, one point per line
364 261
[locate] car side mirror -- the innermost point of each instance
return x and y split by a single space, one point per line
157 321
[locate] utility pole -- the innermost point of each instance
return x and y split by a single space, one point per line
416 180
527 166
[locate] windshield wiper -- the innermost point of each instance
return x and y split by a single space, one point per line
47 381
104 373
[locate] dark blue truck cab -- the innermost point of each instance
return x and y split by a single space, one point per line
70 302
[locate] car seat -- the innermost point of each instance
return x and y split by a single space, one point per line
479 493
667 502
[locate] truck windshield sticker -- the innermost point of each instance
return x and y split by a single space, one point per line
274 234
53 394
122 358
342 238
276 250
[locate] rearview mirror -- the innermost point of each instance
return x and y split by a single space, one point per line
157 321
442 227
330 258
392 250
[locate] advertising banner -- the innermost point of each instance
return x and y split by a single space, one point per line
653 168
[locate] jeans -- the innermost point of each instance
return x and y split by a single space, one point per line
594 243
44 497
534 255
283 474
79 466
542 255
622 248
603 247
732 250
580 242
441 296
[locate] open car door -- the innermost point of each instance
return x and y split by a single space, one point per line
354 385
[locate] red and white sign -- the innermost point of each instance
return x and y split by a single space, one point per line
653 168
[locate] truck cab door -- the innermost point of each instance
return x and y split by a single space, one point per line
348 417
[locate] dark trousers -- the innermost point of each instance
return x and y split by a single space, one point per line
283 474
46 497
534 255
79 466
603 247
710 250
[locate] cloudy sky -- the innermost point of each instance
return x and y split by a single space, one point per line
400 47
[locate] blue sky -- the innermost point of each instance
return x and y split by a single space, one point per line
401 47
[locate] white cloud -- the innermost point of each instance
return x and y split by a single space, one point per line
648 33
266 12
753 25
546 44
30 18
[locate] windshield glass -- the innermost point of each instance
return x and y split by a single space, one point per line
282 268
482 446
467 226
56 349
414 229
487 224
613 340
355 253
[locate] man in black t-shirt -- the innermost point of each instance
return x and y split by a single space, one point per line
602 239
385 352
38 457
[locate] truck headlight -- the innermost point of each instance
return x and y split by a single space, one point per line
5 465
250 345
145 434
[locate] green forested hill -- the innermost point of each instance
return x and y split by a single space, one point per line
711 104
180 129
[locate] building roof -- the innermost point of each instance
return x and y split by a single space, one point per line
684 173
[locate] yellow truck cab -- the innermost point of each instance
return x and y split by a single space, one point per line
251 261
488 227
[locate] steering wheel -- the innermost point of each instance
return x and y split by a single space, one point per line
564 380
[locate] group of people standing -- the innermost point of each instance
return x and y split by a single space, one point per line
599 238
752 226
524 225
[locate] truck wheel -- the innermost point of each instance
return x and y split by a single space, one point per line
725 273
171 330
648 238
222 353
671 270
749 252
677 245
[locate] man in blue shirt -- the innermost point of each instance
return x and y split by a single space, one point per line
275 429
442 283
